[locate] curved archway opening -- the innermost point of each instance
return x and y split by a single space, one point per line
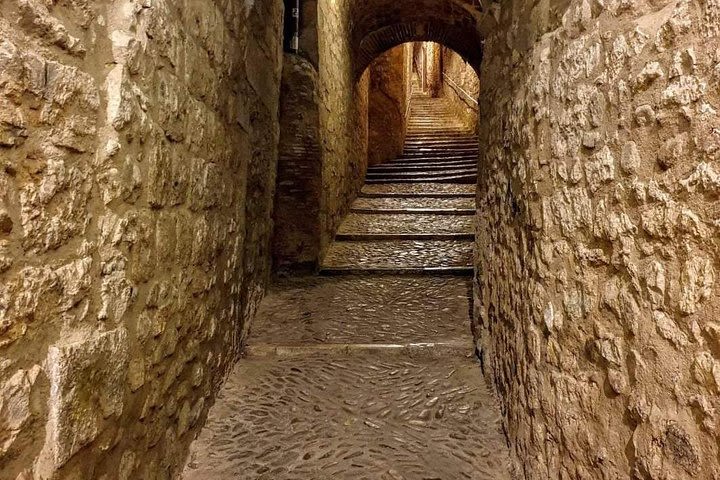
380 25
413 73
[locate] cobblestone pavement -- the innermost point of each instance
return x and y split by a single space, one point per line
397 254
406 223
418 188
365 376
364 416
389 203
364 310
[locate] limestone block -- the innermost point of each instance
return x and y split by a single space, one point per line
669 330
601 169
630 160
696 283
87 385
16 406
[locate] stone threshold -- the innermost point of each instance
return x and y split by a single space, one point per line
372 237
460 271
453 348
424 211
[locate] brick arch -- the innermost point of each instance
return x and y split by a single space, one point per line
379 25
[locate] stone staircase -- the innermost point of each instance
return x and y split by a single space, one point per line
368 372
439 148
415 215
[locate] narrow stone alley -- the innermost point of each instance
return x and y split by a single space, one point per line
368 371
347 239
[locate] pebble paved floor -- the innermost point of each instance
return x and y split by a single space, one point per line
367 371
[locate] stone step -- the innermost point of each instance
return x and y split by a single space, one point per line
427 151
436 127
440 156
413 223
448 202
406 210
443 142
422 167
459 163
395 271
449 148
457 136
366 237
409 175
424 190
435 158
439 132
398 255
442 147
467 179
391 311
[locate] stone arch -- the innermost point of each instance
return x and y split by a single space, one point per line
380 25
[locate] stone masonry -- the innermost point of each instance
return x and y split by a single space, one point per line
388 103
138 148
139 142
597 241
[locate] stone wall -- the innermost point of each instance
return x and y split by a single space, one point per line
388 104
309 31
296 237
343 115
138 144
597 245
461 86
433 68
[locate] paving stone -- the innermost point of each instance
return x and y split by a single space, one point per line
369 416
429 203
364 310
406 223
400 254
419 188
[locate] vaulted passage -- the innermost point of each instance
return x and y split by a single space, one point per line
382 239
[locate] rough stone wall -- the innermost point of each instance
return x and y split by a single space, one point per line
309 31
597 239
296 236
461 86
427 63
138 143
343 115
388 105
433 68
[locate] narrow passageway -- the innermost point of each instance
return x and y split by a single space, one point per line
368 372
415 213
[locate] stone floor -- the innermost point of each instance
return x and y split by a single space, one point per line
367 372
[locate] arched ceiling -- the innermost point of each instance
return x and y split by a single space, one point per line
379 25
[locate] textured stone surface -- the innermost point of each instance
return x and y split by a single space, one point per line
388 101
461 86
400 253
379 25
138 147
406 223
296 233
597 258
369 416
343 116
418 188
365 310
419 203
